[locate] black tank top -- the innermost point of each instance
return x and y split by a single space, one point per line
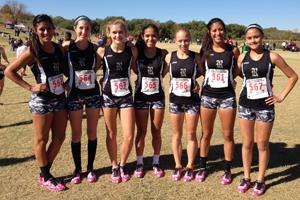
183 79
149 79
218 81
49 70
257 84
82 73
116 72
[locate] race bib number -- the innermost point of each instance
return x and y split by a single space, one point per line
119 87
85 79
257 88
56 84
181 87
218 78
150 85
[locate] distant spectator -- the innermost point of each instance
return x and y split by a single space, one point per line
67 39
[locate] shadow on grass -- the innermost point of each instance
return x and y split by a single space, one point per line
16 103
12 161
17 124
281 156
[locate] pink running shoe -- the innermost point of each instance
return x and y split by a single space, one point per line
201 175
244 185
189 175
124 174
177 174
157 171
139 171
76 178
91 177
52 184
115 175
226 178
259 189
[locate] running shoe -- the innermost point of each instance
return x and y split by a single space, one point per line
259 188
124 174
244 185
91 177
226 178
189 175
115 175
52 184
201 175
177 174
139 171
76 178
157 171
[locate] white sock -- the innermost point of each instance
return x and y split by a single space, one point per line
139 160
155 160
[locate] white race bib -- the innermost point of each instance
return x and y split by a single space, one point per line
119 87
218 78
150 85
85 79
257 88
56 84
181 86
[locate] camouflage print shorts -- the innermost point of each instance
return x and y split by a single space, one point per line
151 105
214 103
43 105
77 103
184 108
121 102
258 115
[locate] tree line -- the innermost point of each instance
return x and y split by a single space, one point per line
17 11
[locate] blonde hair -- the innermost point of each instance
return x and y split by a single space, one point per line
116 22
184 30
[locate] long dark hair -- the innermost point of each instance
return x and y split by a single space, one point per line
140 43
207 41
35 42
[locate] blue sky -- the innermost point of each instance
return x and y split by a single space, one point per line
283 14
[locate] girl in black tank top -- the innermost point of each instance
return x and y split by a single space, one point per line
83 93
184 102
217 95
47 93
117 96
149 97
256 105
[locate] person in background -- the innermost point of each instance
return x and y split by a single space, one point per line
2 68
149 98
48 102
256 103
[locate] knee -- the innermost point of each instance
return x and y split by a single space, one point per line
248 145
59 139
263 146
228 136
191 136
206 137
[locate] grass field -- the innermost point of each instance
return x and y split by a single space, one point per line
18 170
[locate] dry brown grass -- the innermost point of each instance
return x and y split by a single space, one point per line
18 170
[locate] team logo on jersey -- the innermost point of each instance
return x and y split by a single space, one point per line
81 62
254 71
219 63
183 72
150 70
108 56
174 62
119 66
56 66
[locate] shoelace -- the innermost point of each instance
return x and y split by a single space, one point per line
156 167
244 182
115 172
176 171
259 185
189 172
